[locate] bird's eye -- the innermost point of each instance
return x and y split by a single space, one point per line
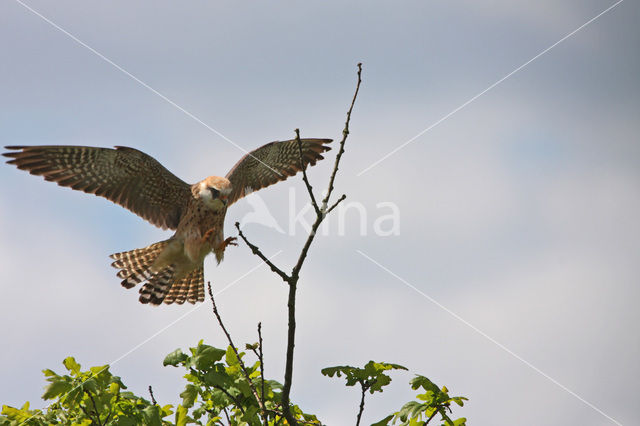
214 192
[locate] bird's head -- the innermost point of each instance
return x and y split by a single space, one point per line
214 191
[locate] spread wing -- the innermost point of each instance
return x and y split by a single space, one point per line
126 176
272 163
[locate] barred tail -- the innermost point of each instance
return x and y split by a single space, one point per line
160 286
189 288
134 264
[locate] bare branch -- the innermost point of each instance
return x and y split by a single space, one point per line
364 390
261 358
226 414
292 279
255 250
153 400
338 201
291 334
325 200
235 350
95 409
345 133
295 272
304 176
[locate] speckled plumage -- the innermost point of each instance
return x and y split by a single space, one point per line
170 271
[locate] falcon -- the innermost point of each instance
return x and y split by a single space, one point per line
171 270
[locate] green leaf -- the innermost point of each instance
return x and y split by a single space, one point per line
371 377
231 358
56 388
167 410
90 385
174 358
20 415
71 365
424 383
217 378
381 381
206 356
383 422
50 373
338 370
181 415
151 415
273 384
100 371
118 381
459 400
189 396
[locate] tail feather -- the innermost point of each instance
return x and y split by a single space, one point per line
160 286
155 289
196 289
190 288
134 264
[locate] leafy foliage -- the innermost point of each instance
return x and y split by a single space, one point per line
371 378
217 392
433 401
92 397
217 389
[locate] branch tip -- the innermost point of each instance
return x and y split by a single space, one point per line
235 350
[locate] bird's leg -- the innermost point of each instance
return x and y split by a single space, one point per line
207 235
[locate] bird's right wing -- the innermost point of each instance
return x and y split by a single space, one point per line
126 176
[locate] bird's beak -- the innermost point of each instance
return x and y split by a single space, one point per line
224 199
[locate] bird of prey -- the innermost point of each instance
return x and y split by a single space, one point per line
170 270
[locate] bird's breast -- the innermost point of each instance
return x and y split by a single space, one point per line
201 230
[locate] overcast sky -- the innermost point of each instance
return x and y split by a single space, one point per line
514 277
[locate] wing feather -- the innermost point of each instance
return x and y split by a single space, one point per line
126 176
272 163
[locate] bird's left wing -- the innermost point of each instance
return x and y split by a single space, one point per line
272 163
126 176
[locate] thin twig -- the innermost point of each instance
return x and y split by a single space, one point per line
303 166
432 416
226 414
325 200
153 400
345 133
84 410
95 409
260 357
106 420
338 201
235 350
255 250
231 397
